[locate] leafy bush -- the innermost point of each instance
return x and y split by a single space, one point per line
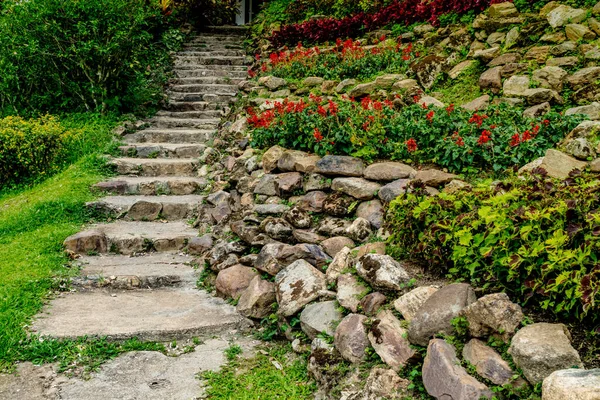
35 149
536 238
83 55
398 12
452 138
346 60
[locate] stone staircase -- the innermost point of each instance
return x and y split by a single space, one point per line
137 279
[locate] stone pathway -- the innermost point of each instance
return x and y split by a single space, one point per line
137 280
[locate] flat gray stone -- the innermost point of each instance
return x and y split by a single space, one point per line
159 315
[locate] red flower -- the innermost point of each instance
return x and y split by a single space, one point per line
322 112
546 122
527 135
485 137
333 108
459 142
263 68
251 73
405 57
366 103
430 115
382 38
318 135
515 140
450 108
416 98
411 145
377 106
477 119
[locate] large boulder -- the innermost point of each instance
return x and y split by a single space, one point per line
359 230
393 189
271 157
493 314
358 188
444 378
389 171
408 304
487 362
312 201
372 211
437 313
320 317
382 272
434 177
232 281
540 349
334 245
572 384
563 15
388 338
349 291
559 165
273 257
257 300
296 286
351 338
340 165
380 384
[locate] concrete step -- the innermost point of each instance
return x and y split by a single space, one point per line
218 98
155 167
207 80
162 150
158 135
193 123
204 88
144 185
208 60
149 271
204 114
147 208
156 315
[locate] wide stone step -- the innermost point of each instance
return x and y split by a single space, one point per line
207 80
162 150
204 114
211 52
131 237
204 46
209 97
144 185
157 315
179 106
149 271
193 123
147 208
208 60
158 135
155 167
200 73
204 88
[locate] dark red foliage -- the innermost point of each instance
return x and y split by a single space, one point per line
399 12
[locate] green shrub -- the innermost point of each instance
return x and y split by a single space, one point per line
536 238
37 148
457 139
83 55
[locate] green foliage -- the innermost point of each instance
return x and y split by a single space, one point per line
535 238
233 351
459 140
32 150
83 55
278 374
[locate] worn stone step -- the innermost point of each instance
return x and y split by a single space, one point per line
130 237
144 185
200 73
204 88
158 135
203 114
157 315
193 123
179 106
181 59
148 271
162 150
203 46
216 39
211 52
147 208
210 80
155 167
209 97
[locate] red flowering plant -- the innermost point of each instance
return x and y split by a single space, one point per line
457 139
347 59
